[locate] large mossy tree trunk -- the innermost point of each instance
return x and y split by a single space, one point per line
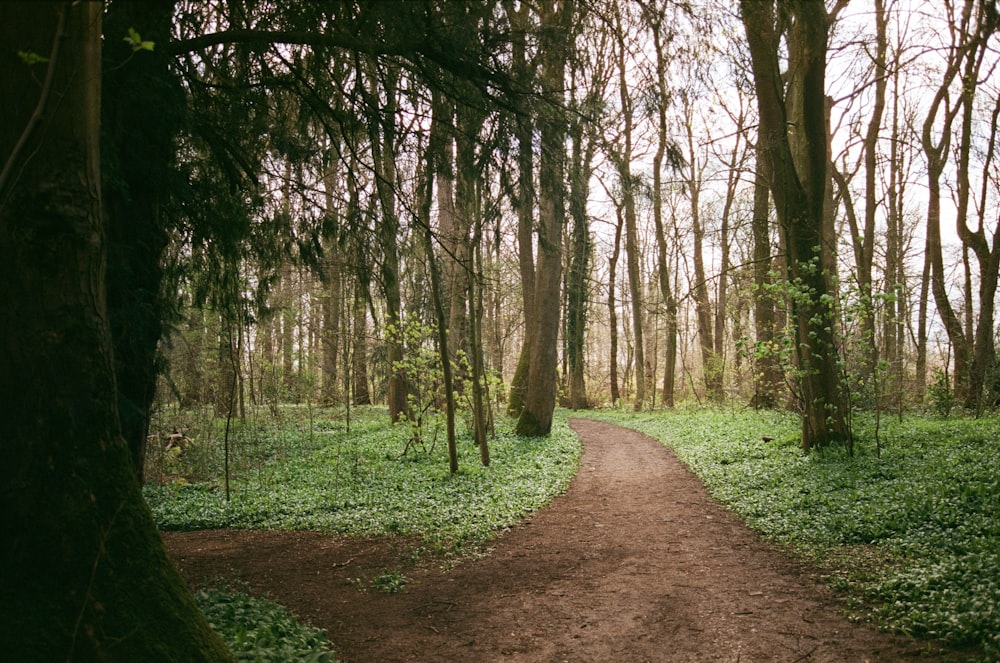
141 112
798 167
86 576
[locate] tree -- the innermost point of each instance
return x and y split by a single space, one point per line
142 108
979 339
798 187
655 18
711 365
581 246
555 42
622 155
380 106
87 574
768 377
523 73
613 306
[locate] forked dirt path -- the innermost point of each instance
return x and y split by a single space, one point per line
634 563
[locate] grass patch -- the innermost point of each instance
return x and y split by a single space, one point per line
914 535
260 630
320 476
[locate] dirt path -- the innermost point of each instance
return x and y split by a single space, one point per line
634 563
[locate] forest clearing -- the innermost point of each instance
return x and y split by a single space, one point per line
342 279
635 562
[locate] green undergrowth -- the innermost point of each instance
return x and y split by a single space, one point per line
260 630
315 474
912 536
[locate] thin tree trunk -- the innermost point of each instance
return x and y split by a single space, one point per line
710 365
663 265
287 304
333 313
736 167
359 351
613 309
937 153
424 209
895 278
984 350
632 249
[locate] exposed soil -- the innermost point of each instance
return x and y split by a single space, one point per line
634 563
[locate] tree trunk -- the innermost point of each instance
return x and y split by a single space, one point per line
467 309
984 351
923 304
359 351
938 286
632 250
712 371
663 264
865 243
524 206
895 278
613 310
979 336
333 313
437 299
382 132
937 153
581 250
554 47
86 574
141 108
768 374
288 307
799 187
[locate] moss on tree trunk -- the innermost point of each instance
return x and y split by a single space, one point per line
85 574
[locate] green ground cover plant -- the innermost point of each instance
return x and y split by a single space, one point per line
260 630
913 536
313 473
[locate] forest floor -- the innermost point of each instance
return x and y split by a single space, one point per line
635 562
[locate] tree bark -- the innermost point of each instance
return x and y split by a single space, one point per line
895 277
984 351
662 262
523 203
768 374
581 250
141 109
437 299
86 574
613 310
382 134
554 47
359 351
711 368
799 187
623 160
